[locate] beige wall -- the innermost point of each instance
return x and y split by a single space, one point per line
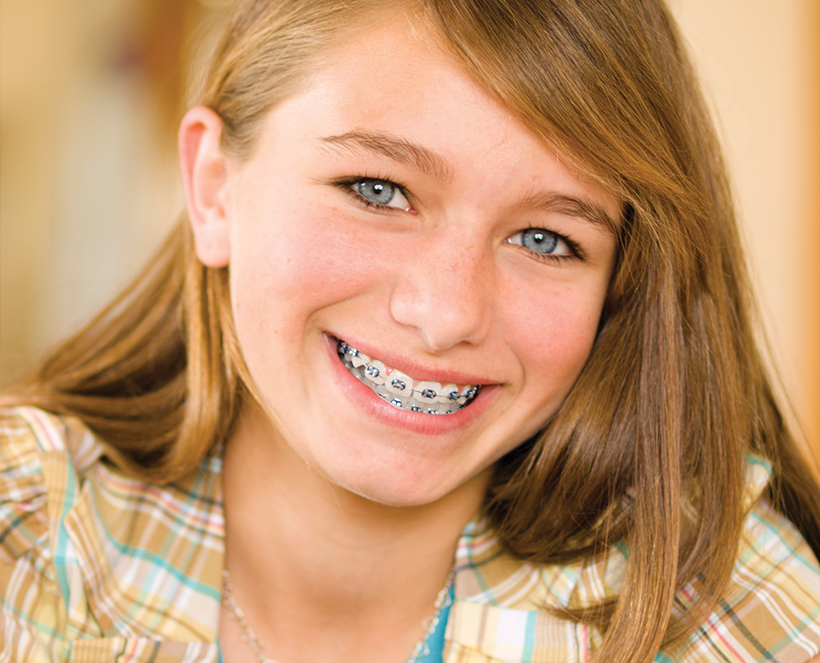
86 191
760 61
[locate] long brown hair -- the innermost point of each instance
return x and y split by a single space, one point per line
674 396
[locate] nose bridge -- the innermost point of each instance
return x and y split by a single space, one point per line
446 291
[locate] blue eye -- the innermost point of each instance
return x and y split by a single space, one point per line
381 193
542 242
539 240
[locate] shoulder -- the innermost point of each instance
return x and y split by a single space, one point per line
41 457
771 608
770 611
38 478
92 560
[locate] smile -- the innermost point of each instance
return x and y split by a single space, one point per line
402 391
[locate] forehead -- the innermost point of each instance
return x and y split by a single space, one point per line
396 78
395 68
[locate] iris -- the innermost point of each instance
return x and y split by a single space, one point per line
539 240
377 191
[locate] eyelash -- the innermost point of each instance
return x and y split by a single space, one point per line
346 185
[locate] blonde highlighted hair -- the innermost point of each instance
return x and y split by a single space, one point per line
674 395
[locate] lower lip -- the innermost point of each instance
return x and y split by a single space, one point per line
366 399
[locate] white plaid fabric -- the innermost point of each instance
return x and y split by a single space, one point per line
97 567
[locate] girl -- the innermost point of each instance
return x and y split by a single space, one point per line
450 360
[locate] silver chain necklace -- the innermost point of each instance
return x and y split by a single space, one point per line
236 613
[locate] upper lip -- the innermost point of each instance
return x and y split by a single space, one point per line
414 369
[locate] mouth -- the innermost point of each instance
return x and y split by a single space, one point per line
402 391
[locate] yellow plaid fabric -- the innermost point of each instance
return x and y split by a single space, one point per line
98 567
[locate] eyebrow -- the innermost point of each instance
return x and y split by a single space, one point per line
394 148
571 206
432 164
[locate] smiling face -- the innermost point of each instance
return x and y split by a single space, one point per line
394 213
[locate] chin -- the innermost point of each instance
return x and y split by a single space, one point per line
403 486
393 499
393 492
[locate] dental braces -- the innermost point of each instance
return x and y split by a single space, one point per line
398 389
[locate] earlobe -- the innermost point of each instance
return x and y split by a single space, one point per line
205 179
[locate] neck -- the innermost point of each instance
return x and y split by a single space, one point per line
307 555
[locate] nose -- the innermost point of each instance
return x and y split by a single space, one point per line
445 291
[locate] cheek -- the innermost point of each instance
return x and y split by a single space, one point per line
287 265
553 334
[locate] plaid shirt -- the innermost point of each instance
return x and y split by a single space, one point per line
98 567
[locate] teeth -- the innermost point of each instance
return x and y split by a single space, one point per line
399 383
402 391
353 355
427 392
448 394
375 372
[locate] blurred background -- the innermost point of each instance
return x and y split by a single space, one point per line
91 93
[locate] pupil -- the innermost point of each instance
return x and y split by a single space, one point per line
379 192
540 240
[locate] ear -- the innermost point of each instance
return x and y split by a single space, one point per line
206 183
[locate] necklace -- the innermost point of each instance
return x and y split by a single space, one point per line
248 635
